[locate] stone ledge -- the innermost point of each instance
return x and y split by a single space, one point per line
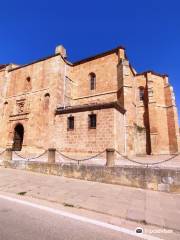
166 180
89 107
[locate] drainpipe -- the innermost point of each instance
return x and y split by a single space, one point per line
135 101
64 95
125 135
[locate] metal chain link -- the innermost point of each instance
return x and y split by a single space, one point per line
147 164
32 158
18 155
80 160
2 152
42 154
166 160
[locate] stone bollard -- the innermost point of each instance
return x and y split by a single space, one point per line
8 154
110 158
51 155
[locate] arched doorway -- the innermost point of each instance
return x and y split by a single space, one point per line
18 137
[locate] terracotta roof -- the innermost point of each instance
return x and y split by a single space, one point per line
36 61
3 66
69 63
152 72
98 55
114 50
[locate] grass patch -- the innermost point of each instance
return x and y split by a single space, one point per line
143 222
68 205
21 193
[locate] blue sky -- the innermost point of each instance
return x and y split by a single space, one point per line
150 31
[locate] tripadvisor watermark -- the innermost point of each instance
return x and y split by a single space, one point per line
153 231
158 230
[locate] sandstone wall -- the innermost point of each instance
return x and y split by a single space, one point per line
109 132
157 113
105 69
32 94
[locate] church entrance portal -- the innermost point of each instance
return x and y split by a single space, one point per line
18 137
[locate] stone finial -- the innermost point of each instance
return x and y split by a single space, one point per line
60 49
121 53
12 66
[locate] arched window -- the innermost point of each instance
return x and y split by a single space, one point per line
5 108
141 93
46 101
28 79
28 84
92 77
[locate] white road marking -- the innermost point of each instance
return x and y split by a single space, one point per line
82 219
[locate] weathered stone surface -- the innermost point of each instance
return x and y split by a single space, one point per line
140 177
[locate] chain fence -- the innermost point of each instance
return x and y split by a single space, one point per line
2 152
32 158
147 164
62 158
1 155
98 159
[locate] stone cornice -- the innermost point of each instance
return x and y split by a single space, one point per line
89 107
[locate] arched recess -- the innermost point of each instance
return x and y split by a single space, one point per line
5 108
46 101
18 137
27 84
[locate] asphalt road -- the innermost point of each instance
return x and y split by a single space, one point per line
21 222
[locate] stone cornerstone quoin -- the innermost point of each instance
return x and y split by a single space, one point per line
87 106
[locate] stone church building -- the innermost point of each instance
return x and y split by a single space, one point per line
87 106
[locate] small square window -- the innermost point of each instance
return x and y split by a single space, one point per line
92 121
70 123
